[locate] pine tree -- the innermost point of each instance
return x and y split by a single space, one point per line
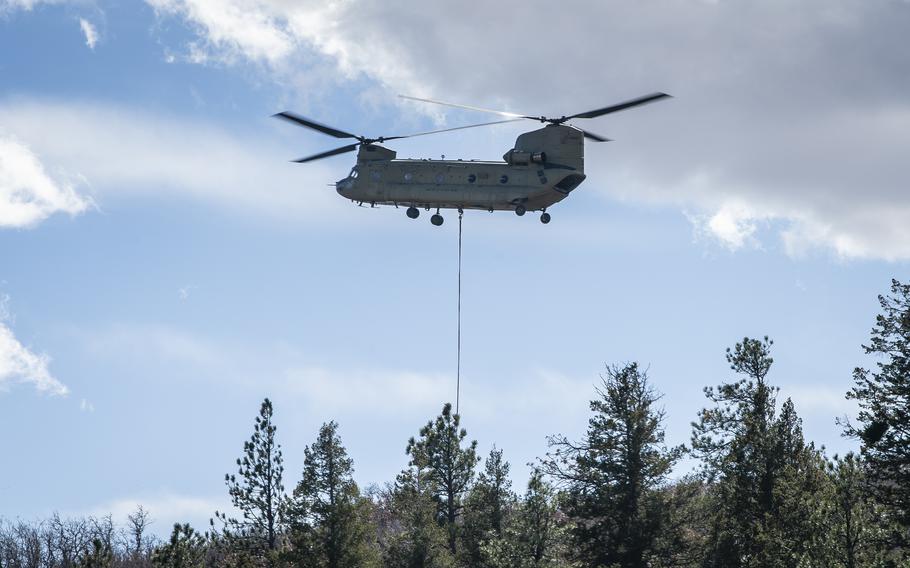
185 549
449 467
258 493
766 476
611 476
329 519
420 541
486 507
853 530
532 537
884 400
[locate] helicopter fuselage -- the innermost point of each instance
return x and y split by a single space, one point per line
542 169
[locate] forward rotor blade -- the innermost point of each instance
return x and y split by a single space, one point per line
342 150
467 107
621 106
455 128
595 137
301 121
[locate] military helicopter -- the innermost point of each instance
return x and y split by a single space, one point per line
542 169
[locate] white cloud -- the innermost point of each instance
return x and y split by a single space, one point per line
91 34
121 150
335 390
152 342
819 400
28 194
19 364
10 5
238 28
797 114
165 508
404 391
86 406
184 292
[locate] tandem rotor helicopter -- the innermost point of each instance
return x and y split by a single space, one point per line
542 169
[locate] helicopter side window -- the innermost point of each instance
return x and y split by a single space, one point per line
504 179
472 178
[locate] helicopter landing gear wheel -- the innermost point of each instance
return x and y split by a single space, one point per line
413 212
544 217
436 219
520 210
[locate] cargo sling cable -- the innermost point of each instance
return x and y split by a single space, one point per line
458 356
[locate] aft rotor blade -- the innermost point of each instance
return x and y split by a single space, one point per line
621 106
301 121
342 150
595 137
467 107
455 128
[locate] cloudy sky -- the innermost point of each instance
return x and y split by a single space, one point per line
163 267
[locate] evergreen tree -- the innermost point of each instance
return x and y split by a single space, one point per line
185 549
853 530
611 476
766 476
486 507
688 510
531 538
884 400
420 541
258 493
329 519
449 467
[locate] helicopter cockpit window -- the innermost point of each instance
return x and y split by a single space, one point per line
354 172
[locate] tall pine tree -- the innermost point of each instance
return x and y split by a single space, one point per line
883 395
257 492
764 476
329 519
611 476
448 465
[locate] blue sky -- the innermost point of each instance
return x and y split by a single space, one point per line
163 267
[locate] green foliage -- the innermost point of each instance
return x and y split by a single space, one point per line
449 468
767 477
852 530
884 400
420 541
611 476
185 549
532 537
329 519
487 507
258 493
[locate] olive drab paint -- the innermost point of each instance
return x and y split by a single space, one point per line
542 169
